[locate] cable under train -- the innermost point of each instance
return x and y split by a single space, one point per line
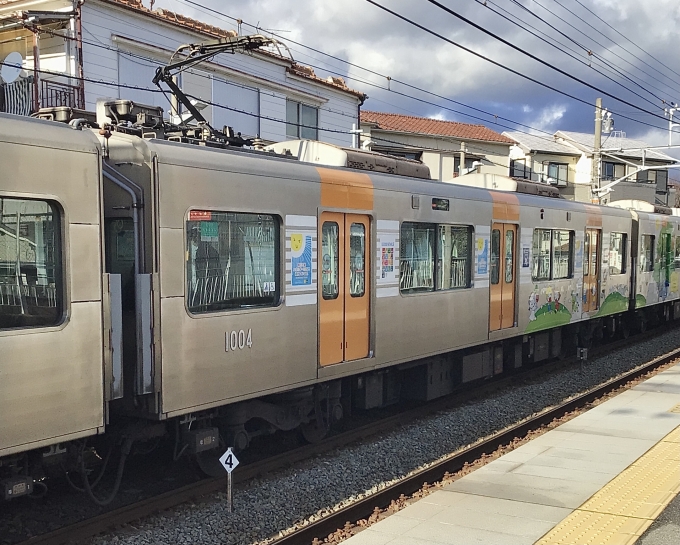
156 283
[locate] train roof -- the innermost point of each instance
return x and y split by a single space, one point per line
38 132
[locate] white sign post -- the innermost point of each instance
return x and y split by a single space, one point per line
229 461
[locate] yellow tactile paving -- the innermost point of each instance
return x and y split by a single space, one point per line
624 508
675 409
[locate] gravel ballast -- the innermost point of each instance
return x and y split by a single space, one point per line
266 506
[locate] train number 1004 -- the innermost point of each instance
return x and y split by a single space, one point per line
238 340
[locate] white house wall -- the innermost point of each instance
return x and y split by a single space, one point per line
116 42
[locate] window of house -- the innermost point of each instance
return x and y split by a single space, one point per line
302 121
518 168
31 284
456 163
646 253
617 253
231 260
613 171
435 257
553 254
558 172
405 154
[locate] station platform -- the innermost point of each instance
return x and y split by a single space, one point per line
601 478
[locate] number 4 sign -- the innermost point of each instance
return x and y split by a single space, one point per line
229 460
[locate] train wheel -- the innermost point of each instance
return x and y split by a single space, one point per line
312 432
208 462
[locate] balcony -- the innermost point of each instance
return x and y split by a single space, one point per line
54 93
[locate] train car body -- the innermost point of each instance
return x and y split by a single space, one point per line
236 292
51 329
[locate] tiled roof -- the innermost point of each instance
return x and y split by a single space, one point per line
424 125
547 144
616 145
215 32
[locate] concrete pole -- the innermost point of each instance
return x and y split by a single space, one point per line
595 174
461 167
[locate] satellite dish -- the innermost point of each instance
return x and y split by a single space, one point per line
11 68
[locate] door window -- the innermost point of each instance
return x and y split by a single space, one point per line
357 260
586 255
494 272
329 260
509 255
593 253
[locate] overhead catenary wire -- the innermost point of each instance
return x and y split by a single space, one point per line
516 2
516 48
494 119
592 58
419 89
619 45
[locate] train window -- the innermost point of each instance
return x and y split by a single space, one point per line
646 253
494 273
330 266
562 252
509 255
231 260
357 260
677 253
617 253
541 254
417 257
454 249
30 264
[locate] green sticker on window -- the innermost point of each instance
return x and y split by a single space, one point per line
209 231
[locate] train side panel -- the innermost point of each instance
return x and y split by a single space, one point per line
211 357
51 385
658 272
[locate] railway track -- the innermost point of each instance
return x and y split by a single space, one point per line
88 528
364 508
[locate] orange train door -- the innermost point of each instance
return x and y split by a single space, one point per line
591 270
502 277
344 297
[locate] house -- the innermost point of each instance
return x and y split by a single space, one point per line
441 145
112 48
565 160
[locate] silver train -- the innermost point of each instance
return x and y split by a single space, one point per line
152 287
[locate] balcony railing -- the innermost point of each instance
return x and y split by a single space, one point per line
55 93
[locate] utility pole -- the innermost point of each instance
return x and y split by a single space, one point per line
669 113
595 173
461 166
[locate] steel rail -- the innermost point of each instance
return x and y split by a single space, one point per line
107 521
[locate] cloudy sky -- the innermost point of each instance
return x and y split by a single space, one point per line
630 52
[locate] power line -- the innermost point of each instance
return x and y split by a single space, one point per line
517 73
626 38
587 36
549 136
494 117
581 61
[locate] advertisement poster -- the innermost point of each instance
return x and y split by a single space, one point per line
301 259
388 265
482 256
